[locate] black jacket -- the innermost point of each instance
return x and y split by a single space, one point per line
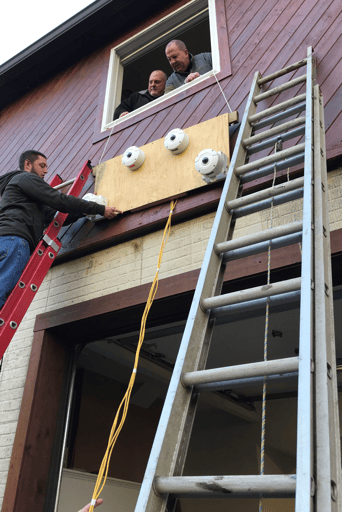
134 101
28 205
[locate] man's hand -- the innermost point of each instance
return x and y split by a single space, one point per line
87 507
111 212
191 77
123 114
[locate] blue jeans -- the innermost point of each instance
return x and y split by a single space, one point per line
14 254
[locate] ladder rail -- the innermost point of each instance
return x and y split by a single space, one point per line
328 447
177 403
304 464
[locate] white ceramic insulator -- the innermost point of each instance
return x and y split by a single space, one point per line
210 163
176 141
133 158
96 199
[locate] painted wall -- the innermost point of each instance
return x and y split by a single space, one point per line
118 268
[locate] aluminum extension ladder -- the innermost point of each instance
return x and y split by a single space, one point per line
15 307
316 485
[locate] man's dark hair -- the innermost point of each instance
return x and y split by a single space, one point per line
30 155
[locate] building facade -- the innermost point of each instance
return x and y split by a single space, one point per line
58 98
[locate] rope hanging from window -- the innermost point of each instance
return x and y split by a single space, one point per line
218 83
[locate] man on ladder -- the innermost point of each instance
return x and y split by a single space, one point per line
27 206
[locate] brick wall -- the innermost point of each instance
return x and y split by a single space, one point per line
118 268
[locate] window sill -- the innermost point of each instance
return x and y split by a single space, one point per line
160 101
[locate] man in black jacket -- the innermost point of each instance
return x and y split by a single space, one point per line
156 86
27 206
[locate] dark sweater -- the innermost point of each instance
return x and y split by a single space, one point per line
134 101
28 205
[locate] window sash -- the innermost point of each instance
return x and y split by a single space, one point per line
148 39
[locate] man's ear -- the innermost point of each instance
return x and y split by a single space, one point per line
27 165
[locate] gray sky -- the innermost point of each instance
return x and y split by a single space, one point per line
24 22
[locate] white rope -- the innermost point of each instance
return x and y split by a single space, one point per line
109 136
218 83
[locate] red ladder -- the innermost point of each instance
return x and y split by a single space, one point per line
14 309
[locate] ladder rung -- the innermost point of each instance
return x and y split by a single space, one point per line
256 238
279 117
277 108
279 89
276 157
273 131
263 205
64 184
255 305
251 250
243 383
265 171
241 371
282 72
227 486
259 292
297 132
265 194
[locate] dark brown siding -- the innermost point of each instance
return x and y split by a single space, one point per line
59 117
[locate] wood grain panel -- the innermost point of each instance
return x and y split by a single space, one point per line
163 174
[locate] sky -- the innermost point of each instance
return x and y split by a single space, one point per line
24 22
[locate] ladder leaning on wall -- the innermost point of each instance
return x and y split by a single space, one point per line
317 482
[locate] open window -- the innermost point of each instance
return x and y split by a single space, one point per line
132 61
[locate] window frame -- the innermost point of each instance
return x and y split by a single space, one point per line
125 46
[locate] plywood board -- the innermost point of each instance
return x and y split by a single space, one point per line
163 175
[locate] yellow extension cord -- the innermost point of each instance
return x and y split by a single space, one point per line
115 431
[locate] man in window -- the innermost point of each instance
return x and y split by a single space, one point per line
156 86
186 67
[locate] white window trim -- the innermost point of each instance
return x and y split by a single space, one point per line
150 37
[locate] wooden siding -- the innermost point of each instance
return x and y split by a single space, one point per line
58 118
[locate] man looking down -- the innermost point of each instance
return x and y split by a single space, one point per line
186 67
